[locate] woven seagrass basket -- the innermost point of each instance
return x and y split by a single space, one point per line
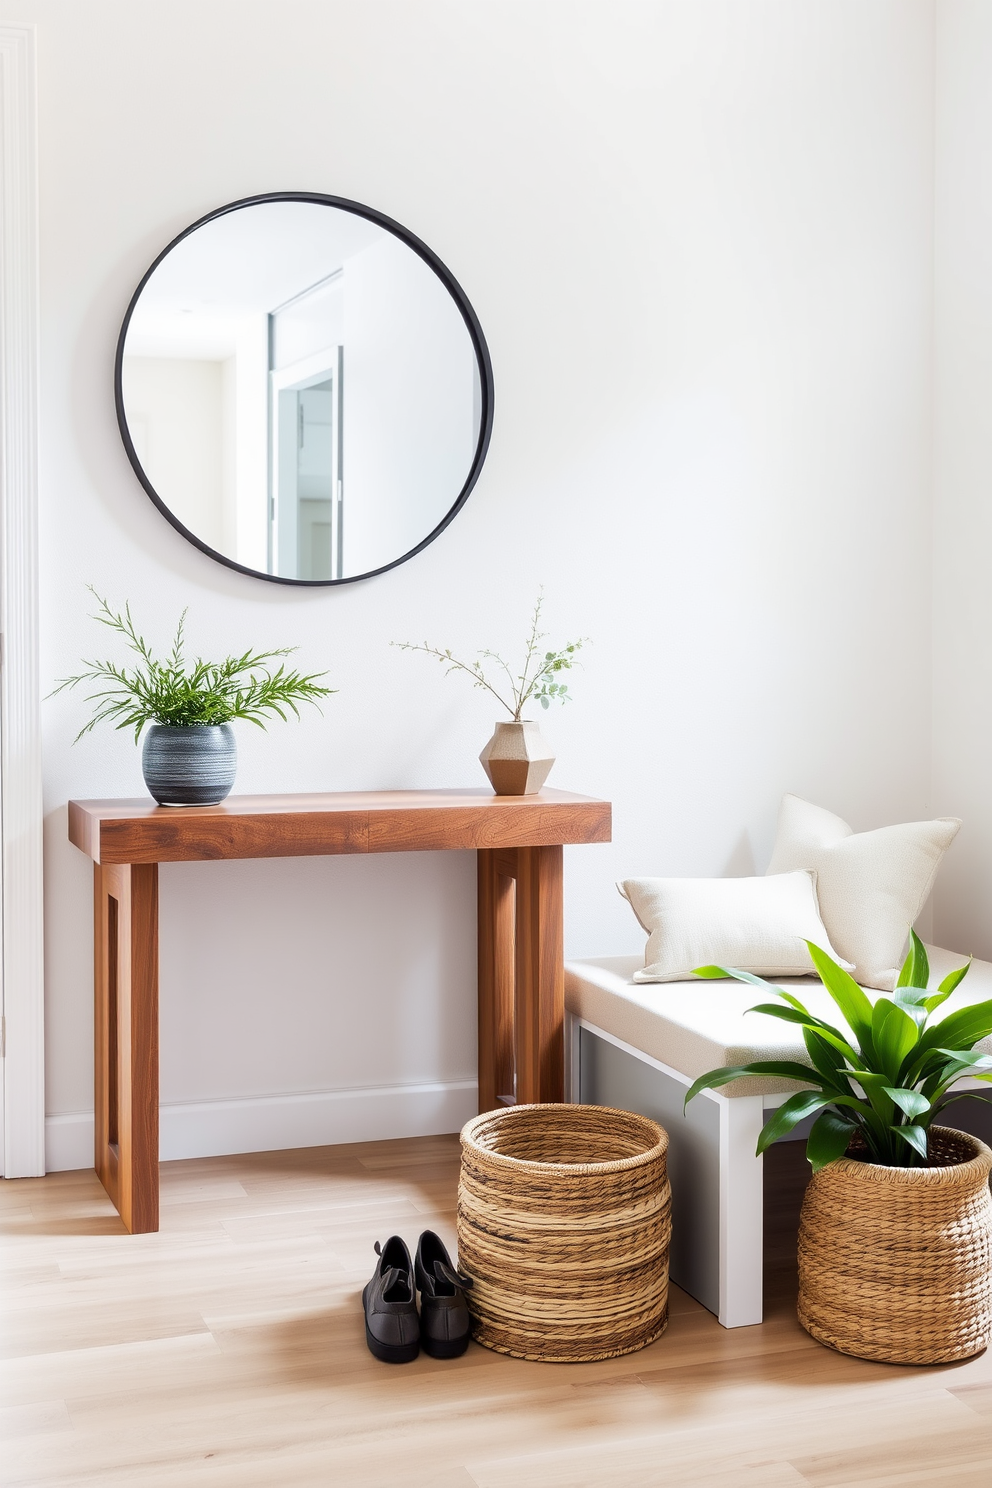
896 1263
564 1224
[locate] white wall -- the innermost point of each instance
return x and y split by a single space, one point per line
962 703
698 237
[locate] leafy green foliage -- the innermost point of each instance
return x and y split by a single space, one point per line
183 694
889 1083
538 680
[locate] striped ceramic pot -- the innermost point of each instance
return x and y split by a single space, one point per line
193 766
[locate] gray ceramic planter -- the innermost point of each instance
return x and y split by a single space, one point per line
192 766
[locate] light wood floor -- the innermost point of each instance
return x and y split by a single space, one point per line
228 1351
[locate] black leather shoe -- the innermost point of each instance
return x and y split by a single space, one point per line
392 1331
444 1319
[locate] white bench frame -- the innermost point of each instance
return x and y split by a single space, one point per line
741 1225
741 1230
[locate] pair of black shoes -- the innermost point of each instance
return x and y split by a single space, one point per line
393 1331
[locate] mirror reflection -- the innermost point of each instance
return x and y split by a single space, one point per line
301 391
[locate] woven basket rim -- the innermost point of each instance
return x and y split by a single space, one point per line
971 1169
520 1164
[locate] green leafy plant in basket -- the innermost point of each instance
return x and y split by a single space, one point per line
887 1080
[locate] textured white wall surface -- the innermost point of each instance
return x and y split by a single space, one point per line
962 712
698 236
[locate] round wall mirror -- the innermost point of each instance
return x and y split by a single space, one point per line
303 389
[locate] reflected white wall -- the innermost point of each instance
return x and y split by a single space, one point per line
179 407
408 404
409 424
199 427
251 543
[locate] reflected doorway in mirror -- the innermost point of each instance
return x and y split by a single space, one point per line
307 506
238 417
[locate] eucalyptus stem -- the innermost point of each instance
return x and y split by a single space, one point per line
537 680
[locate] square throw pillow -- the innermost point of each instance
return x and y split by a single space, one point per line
752 924
871 885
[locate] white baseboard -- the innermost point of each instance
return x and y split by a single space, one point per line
270 1123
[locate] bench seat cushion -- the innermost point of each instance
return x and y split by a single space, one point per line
700 1025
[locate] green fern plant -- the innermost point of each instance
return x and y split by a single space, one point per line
182 694
888 1081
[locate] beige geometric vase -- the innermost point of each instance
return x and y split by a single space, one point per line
517 759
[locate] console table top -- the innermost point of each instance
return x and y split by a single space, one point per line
292 826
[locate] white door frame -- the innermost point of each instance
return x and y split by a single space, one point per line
307 372
21 894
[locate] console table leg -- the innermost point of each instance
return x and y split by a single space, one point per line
497 872
521 976
540 976
126 1037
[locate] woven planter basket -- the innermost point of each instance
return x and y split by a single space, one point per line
564 1223
896 1263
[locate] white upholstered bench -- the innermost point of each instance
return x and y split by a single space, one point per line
639 1046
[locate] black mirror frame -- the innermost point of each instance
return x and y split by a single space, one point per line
468 316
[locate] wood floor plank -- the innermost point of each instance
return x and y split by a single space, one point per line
644 1465
154 1363
977 1397
930 1444
949 1476
37 1419
227 1351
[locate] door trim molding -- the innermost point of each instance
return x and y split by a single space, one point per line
21 895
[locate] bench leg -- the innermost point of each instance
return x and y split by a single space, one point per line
741 1218
573 1067
716 1179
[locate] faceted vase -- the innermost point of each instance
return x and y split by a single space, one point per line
517 759
192 766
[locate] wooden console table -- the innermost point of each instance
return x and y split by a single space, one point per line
521 975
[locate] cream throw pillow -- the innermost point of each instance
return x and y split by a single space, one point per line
871 885
753 924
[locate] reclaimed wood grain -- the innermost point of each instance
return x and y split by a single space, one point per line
497 871
519 841
139 831
126 1078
